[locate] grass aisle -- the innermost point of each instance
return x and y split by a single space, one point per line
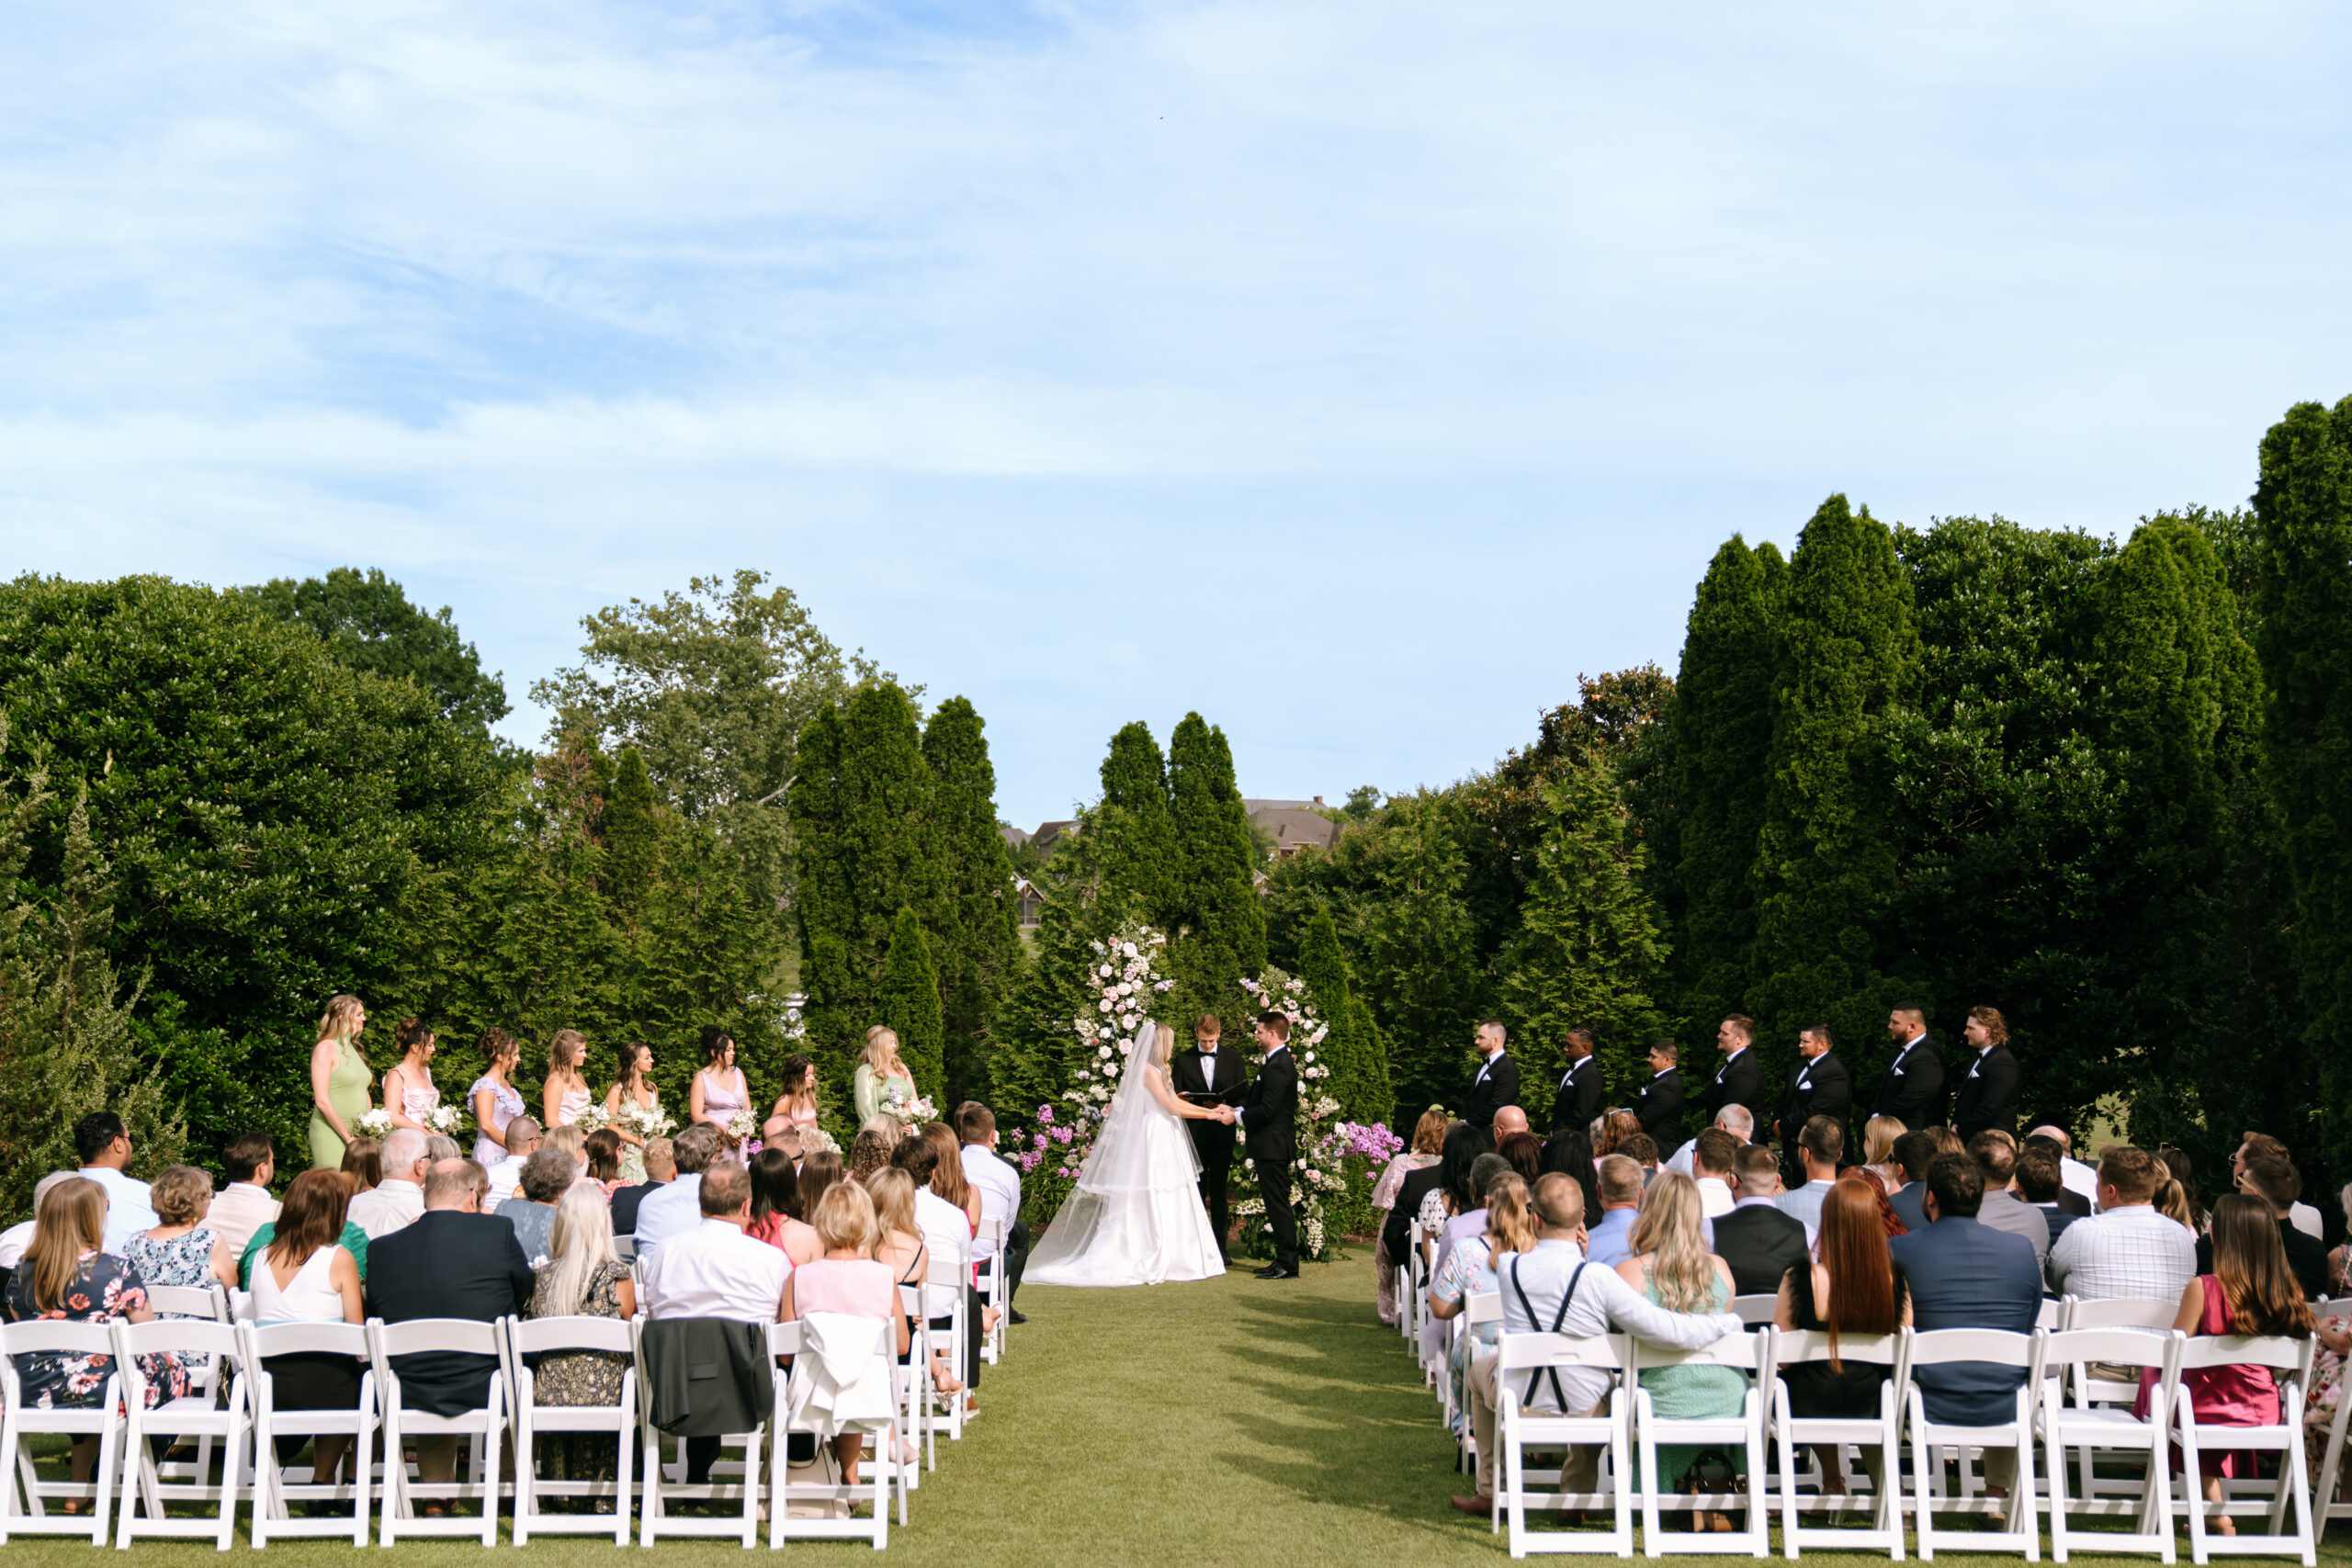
1232 1422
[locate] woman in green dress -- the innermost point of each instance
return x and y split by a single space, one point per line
339 1082
880 1069
1672 1266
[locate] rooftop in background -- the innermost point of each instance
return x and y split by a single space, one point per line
1293 825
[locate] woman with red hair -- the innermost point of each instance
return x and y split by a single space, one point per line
1851 1287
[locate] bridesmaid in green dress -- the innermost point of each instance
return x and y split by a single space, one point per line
877 1072
339 1082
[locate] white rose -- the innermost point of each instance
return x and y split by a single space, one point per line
1106 1052
1105 1004
1129 948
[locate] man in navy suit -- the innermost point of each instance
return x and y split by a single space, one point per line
1967 1275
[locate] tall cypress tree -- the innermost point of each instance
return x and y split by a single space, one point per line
1420 953
1826 855
1720 723
631 834
908 1001
978 946
1215 920
2303 633
1136 842
1352 1050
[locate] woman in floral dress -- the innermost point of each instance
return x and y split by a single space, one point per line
634 1087
583 1277
67 1278
182 1250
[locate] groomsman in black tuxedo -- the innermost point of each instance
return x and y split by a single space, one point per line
1269 1117
1658 1103
1206 1075
1988 1085
1740 1080
1913 1090
1496 1084
1578 1101
1818 1086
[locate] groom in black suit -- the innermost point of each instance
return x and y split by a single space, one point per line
1206 1075
1269 1119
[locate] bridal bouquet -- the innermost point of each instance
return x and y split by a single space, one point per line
375 1123
647 1122
907 1109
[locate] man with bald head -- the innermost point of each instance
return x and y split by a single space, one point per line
1509 1119
1912 1091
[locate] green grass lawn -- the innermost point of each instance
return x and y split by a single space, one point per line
1234 1422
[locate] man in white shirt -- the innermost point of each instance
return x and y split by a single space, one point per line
1533 1287
1000 1186
1818 1147
244 1206
105 1149
522 1143
1712 1162
2127 1251
1736 1120
713 1270
677 1207
17 1237
399 1198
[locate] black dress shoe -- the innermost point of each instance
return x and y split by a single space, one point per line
1012 1317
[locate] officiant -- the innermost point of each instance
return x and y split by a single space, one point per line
1207 1076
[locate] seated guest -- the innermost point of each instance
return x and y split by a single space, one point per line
1735 1119
1524 1154
1616 1127
1914 1151
105 1149
438 1148
2277 1183
1757 1242
1713 1155
1508 1119
715 1271
363 1161
600 1159
776 1204
304 1275
2183 1173
584 1278
1469 1270
351 1240
522 1141
661 1169
1569 1153
1535 1299
2072 1203
947 1177
2127 1251
902 1248
1878 1150
2248 1289
1420 1156
944 1231
1462 1144
846 1279
244 1206
1642 1149
870 1150
2173 1201
2304 1217
1856 1288
1966 1275
572 1139
183 1249
1672 1266
399 1198
454 1261
18 1236
676 1208
1466 1217
1620 1181
2040 1183
953 1191
1820 1145
1996 1161
545 1177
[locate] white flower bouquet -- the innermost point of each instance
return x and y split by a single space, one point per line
446 1119
374 1124
744 1125
591 1119
908 1110
647 1122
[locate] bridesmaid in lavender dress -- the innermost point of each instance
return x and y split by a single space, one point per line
496 1102
719 1092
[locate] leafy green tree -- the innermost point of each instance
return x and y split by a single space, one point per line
1353 1049
1419 961
1137 861
631 829
1590 950
367 623
1037 1048
1214 915
978 946
2303 633
1827 854
1720 739
908 1003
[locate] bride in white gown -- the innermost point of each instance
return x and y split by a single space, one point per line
1135 1216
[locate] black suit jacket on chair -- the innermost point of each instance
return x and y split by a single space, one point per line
1988 1094
1658 1106
1492 1086
1913 1090
1577 1099
1759 1245
448 1264
1270 1110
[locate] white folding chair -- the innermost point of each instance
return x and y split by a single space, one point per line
1939 1347
1757 1311
2097 1428
1883 1433
481 1427
523 1338
24 1504
916 1397
207 1303
1518 1428
2325 1505
952 1274
1746 1353
728 1482
837 1524
1413 1306
274 1494
993 1288
1477 1310
2289 1361
193 1415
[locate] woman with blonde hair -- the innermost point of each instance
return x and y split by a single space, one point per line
410 1092
877 1072
339 1082
1469 1269
1878 1149
902 1248
565 1098
583 1277
1673 1267
849 1280
1429 1137
2171 1199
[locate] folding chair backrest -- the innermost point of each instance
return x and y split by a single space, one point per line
2278 1353
308 1339
1524 1352
532 1336
2122 1347
784 1339
455 1335
1484 1307
1791 1346
52 1335
946 1271
624 1248
1742 1350
1756 1311
1933 1347
184 1300
2053 1314
195 1335
2122 1312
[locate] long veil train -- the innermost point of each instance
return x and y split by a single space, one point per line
1134 1217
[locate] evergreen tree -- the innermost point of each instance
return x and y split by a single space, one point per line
1590 953
1826 855
632 835
1216 921
1137 859
1037 1048
1352 1050
869 846
2303 633
978 946
908 1003
1720 737
1418 956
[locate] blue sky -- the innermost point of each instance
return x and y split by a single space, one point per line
1355 373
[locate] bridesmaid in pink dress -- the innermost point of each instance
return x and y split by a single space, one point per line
848 1280
718 1092
795 1108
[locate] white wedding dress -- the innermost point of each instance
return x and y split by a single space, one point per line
1135 1216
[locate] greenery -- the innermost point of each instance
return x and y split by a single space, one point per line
908 1003
368 624
978 947
1354 1051
1212 905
